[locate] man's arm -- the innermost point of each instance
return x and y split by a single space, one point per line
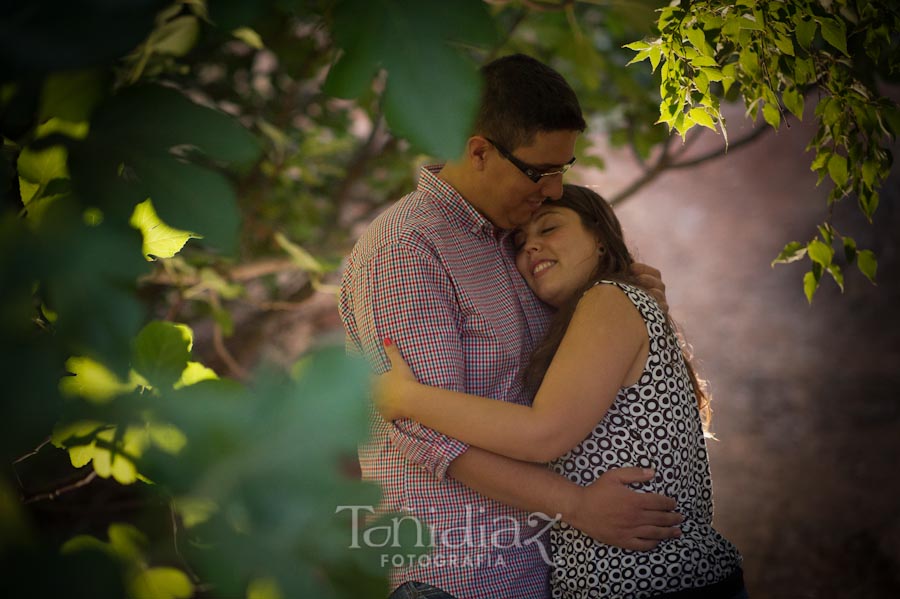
607 510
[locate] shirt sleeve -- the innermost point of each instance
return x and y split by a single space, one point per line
407 296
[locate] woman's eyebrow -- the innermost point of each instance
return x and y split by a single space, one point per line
547 212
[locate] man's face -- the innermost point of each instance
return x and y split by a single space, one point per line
514 197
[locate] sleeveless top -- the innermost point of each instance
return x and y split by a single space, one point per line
652 424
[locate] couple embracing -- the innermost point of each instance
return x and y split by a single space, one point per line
516 331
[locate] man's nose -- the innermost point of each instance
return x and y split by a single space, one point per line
552 186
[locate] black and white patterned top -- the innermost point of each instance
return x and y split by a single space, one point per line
654 423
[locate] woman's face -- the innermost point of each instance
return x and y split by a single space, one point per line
556 254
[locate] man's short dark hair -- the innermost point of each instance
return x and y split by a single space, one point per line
522 96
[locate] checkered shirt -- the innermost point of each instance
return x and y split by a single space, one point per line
439 279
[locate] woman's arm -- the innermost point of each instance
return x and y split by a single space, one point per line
605 339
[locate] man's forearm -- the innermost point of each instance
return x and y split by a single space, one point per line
526 486
608 510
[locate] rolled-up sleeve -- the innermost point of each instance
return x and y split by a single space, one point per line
404 294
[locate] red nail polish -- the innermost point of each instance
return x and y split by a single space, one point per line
387 341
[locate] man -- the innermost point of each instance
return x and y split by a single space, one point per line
436 274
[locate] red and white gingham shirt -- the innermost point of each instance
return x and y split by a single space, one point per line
439 279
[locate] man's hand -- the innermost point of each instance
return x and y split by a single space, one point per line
651 279
615 514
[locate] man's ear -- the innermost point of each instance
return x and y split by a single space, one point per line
476 148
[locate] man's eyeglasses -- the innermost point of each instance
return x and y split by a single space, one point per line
532 172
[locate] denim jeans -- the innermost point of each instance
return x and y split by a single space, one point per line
419 590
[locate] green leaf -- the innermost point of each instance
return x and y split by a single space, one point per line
698 40
264 588
835 33
793 101
249 37
161 353
806 31
194 373
868 201
167 437
820 252
91 380
792 252
160 240
161 583
71 95
118 464
712 74
810 284
835 271
869 173
837 169
127 541
804 71
151 119
655 56
820 162
772 114
868 265
849 249
639 57
410 41
43 165
176 37
191 198
194 510
784 44
830 110
749 21
826 231
637 46
749 61
702 117
300 256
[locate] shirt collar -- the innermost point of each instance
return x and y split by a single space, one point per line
454 206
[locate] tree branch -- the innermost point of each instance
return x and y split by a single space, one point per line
241 272
649 174
665 162
236 369
32 452
184 563
54 494
757 133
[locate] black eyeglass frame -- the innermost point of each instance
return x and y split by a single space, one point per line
532 172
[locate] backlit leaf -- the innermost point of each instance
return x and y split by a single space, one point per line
160 240
161 353
820 252
161 583
91 380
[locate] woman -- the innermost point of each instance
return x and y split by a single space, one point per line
614 390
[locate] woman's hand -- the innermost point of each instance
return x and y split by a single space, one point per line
393 389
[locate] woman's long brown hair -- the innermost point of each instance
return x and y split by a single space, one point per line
614 265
